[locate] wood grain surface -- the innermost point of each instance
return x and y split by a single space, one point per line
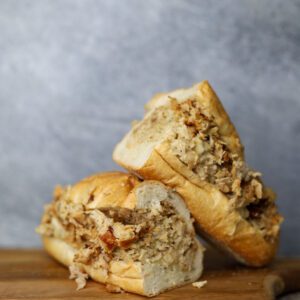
32 274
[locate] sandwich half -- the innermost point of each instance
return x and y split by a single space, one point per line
131 235
187 141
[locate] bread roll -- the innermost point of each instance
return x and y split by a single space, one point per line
131 235
187 141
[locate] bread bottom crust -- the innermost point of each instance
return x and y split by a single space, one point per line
64 253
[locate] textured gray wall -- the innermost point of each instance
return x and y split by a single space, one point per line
73 74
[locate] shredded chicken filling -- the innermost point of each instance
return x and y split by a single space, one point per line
199 145
120 234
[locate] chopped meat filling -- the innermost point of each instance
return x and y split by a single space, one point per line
122 215
119 234
199 145
79 275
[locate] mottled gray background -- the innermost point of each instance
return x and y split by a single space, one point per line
73 74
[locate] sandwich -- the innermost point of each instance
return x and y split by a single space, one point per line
130 235
187 141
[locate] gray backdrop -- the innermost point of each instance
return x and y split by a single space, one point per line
73 74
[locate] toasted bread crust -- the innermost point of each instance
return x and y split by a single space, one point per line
100 190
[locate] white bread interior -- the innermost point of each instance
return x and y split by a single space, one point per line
136 151
146 151
126 191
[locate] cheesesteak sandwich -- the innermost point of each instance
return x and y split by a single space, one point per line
187 141
131 235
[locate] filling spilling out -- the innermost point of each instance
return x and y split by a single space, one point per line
111 234
197 143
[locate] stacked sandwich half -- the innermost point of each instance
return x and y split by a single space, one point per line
136 233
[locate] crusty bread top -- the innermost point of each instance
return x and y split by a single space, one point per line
103 190
211 104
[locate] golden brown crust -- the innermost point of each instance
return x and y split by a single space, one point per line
205 94
100 190
211 210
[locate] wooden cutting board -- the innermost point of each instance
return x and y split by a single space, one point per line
32 274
